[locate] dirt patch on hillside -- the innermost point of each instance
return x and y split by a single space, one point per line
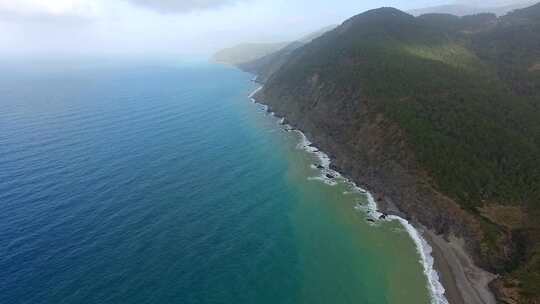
535 67
509 216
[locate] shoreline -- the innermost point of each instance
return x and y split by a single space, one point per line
436 289
452 276
464 281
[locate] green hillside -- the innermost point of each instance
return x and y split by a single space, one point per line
466 93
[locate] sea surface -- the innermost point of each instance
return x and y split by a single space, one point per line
161 182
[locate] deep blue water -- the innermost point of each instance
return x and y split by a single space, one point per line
158 184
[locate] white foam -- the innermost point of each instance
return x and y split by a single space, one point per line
435 287
252 95
306 145
324 179
372 205
324 162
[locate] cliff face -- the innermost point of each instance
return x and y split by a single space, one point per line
374 151
420 111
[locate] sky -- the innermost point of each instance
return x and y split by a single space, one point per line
170 27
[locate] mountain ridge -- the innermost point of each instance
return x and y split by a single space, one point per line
253 55
246 52
438 116
465 10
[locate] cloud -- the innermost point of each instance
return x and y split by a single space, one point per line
51 11
182 6
43 18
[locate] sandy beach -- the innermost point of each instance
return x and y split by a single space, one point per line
462 280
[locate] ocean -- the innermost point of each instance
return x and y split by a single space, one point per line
162 182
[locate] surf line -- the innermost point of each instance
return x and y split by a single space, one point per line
436 289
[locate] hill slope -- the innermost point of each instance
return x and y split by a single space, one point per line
266 66
439 116
247 52
268 56
464 10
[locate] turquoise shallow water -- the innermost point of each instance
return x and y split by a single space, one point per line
162 183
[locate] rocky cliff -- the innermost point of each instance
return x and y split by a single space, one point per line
429 113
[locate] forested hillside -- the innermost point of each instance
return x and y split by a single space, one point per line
437 114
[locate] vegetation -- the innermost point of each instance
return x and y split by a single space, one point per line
467 93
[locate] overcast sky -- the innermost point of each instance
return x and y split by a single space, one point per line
187 27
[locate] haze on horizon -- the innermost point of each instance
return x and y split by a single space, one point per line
179 27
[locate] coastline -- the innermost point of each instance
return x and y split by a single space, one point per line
452 277
464 281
